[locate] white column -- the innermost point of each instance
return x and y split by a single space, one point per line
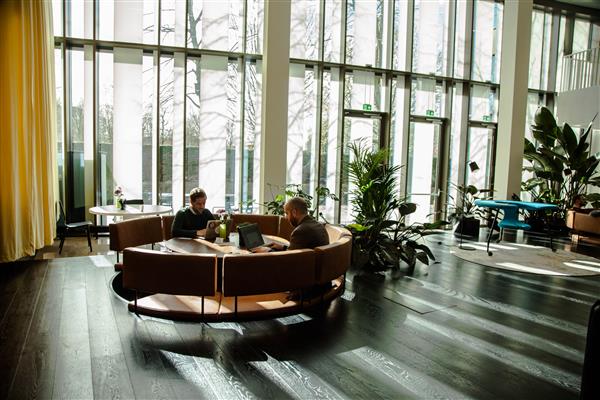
213 134
276 62
512 110
178 119
127 121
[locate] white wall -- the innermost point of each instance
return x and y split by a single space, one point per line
578 107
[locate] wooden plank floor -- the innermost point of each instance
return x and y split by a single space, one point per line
451 330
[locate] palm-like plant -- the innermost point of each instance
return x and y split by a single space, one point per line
381 237
562 163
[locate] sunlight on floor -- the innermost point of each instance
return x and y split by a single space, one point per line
375 364
295 380
510 309
489 325
525 268
503 355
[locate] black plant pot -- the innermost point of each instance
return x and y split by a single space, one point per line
537 223
467 226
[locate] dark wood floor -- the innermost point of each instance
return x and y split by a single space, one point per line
452 330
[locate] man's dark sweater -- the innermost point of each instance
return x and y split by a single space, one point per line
186 222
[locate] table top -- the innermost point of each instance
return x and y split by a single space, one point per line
131 210
201 246
508 204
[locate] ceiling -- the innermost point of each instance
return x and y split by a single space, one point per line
582 3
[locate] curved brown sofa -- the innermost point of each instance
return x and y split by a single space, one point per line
134 232
254 286
583 226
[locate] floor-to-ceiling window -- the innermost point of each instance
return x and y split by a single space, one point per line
158 96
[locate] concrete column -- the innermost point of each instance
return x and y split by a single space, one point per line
514 70
273 149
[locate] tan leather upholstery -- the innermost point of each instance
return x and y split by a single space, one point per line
285 228
153 271
268 224
178 280
336 232
583 226
583 222
167 224
333 260
253 285
268 272
135 232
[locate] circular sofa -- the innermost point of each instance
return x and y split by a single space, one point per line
253 286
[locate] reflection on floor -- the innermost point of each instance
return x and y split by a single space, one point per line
453 329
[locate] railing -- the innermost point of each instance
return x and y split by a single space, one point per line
581 70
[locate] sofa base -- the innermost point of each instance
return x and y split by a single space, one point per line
222 309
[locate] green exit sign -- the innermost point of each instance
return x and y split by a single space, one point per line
367 107
430 113
486 118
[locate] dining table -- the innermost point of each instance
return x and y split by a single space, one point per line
128 211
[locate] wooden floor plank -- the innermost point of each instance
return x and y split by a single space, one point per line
143 360
34 375
110 375
451 330
14 328
73 376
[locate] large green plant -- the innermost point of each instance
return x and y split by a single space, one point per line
561 163
381 237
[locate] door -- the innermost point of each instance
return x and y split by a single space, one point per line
424 168
480 149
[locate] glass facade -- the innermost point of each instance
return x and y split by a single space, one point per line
161 96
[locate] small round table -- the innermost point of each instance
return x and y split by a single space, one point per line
130 211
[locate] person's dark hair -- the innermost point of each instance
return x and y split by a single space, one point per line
298 203
197 193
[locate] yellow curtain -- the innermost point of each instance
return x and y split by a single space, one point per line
28 183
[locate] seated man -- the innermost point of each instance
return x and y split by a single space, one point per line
191 221
307 234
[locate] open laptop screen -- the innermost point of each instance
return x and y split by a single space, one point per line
250 236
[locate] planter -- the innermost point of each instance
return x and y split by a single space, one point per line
467 226
537 223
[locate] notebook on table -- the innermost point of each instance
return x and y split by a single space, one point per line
250 236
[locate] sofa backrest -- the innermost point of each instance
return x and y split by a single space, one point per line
268 272
285 228
268 224
135 232
167 225
583 222
170 273
333 260
336 232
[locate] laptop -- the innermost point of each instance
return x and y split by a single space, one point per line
250 236
212 229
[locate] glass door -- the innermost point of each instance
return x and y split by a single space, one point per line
424 168
366 127
481 151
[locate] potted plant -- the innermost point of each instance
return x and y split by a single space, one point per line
275 206
381 238
562 164
466 215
